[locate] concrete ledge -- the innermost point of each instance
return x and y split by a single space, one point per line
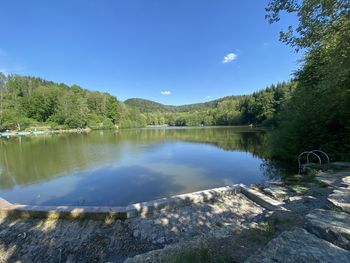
103 213
261 199
67 212
145 208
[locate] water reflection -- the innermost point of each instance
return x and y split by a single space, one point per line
121 167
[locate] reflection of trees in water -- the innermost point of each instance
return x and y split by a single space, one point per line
275 170
32 159
231 139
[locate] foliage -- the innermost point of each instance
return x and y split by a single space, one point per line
318 114
261 107
28 101
318 20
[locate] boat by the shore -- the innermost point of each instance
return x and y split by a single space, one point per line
39 132
7 134
23 133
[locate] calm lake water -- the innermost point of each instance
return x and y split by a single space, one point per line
128 166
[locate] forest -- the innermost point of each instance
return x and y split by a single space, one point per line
29 102
310 111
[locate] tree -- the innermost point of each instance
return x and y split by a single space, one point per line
319 20
3 88
318 114
72 110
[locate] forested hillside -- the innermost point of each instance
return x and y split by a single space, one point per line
151 106
32 102
258 108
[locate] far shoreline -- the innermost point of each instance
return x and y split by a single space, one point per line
34 131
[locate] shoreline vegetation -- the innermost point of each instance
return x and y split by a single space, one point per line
35 131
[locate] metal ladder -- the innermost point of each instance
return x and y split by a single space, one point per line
317 153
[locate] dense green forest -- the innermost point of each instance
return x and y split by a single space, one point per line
34 102
261 107
318 113
28 102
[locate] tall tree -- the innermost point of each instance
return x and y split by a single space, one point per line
318 114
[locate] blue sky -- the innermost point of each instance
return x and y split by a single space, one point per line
173 52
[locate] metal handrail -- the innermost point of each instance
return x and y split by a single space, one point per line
319 152
307 160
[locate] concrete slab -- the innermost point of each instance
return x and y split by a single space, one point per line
330 225
146 208
302 247
261 199
68 212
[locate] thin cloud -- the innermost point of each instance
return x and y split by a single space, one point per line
229 58
166 93
207 97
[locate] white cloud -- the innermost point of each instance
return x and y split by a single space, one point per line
229 58
166 93
207 97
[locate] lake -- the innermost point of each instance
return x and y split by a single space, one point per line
113 168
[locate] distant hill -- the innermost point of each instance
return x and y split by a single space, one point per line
144 105
149 105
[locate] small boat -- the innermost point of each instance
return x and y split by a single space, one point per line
38 132
23 133
7 134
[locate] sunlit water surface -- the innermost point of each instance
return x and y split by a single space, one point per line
128 166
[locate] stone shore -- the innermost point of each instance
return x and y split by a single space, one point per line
300 222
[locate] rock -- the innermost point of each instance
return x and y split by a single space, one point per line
136 233
299 246
341 199
342 164
277 192
332 179
330 225
160 240
346 182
